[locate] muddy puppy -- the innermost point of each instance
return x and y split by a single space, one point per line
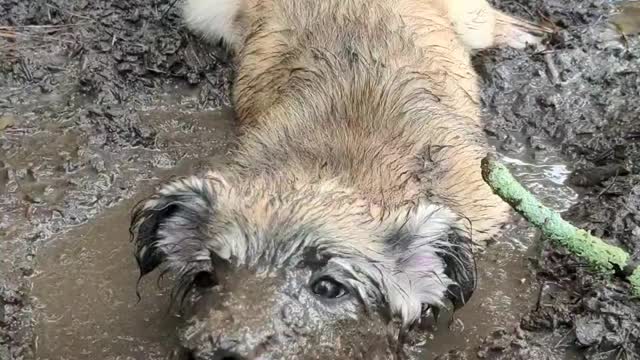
354 193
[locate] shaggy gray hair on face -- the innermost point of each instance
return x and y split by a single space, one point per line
424 258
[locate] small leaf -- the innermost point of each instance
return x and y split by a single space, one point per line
627 19
6 121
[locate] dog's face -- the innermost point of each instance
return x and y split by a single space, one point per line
298 272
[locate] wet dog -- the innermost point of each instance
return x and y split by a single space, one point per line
351 200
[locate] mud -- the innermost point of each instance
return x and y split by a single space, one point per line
92 313
101 100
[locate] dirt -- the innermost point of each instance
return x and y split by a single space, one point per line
101 100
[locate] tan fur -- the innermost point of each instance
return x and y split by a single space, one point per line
358 164
375 98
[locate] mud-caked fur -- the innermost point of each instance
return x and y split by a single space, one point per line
361 143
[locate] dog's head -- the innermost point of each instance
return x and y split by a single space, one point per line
285 271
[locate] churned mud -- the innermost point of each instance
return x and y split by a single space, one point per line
102 100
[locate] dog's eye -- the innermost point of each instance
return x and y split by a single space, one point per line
328 288
205 280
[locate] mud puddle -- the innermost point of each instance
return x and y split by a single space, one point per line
582 96
507 288
87 307
86 302
84 285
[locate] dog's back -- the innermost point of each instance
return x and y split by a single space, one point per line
282 44
379 94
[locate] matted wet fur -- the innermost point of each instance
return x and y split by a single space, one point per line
354 193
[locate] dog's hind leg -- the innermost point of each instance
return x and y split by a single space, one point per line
516 33
481 26
216 20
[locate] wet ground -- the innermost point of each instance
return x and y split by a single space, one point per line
101 100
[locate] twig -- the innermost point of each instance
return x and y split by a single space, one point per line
14 28
9 35
164 14
553 71
613 182
563 338
70 12
603 257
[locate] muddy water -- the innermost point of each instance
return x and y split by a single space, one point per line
506 288
86 300
85 282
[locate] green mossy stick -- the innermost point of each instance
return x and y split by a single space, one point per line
602 256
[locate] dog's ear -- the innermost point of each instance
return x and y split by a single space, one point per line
460 267
432 255
170 227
